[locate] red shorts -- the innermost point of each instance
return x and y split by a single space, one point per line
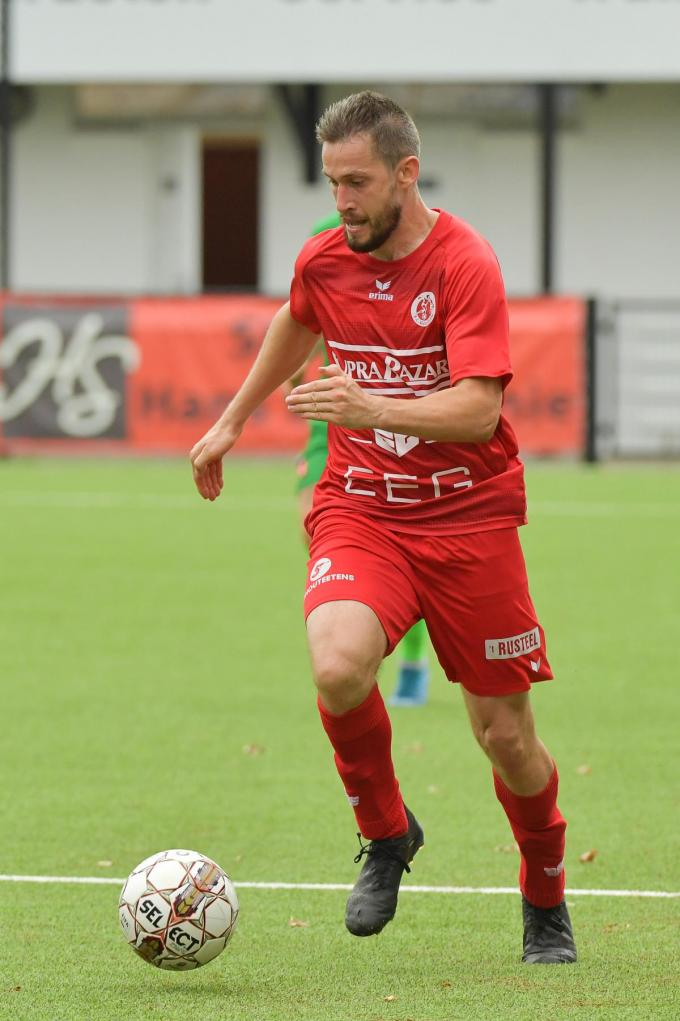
470 589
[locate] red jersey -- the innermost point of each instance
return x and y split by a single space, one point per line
408 328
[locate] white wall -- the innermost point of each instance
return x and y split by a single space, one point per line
175 223
101 209
119 210
241 40
619 188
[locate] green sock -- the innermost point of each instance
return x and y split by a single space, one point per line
413 646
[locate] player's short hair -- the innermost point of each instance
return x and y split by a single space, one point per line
390 127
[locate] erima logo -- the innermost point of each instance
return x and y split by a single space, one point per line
556 871
396 443
380 294
516 645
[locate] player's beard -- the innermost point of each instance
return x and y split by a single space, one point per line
381 228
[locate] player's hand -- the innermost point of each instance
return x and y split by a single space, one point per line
336 398
206 459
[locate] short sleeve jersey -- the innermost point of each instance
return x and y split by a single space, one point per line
405 329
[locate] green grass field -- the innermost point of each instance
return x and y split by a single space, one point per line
156 693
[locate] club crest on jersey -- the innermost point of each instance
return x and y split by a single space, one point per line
381 294
423 309
396 443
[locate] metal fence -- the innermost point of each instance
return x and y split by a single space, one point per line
635 380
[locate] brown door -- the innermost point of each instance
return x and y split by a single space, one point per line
230 214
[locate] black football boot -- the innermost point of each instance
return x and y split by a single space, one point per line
548 936
373 901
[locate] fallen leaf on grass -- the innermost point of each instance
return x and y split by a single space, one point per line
615 926
584 770
415 748
104 863
446 984
433 789
506 848
389 999
297 923
588 855
253 749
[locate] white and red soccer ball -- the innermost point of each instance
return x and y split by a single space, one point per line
178 910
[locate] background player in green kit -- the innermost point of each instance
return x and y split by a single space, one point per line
414 671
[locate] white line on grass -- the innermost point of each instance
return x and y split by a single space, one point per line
110 881
601 509
105 500
102 500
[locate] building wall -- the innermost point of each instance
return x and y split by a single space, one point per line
112 210
103 209
619 188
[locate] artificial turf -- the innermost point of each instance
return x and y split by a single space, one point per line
156 693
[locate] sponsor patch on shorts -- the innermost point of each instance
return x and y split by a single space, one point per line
514 646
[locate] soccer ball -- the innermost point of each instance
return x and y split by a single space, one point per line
178 910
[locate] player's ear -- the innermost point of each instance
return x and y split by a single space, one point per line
408 170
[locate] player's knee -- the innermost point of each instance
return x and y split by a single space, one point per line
506 745
338 675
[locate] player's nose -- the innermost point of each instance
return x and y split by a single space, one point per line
343 201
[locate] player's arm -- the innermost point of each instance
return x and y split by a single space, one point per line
299 377
467 412
286 346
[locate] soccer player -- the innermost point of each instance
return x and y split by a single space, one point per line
413 672
416 514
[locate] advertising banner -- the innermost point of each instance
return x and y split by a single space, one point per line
152 375
546 401
55 41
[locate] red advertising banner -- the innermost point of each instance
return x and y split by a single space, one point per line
152 375
195 355
546 401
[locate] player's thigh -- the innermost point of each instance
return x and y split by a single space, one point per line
352 562
346 644
480 615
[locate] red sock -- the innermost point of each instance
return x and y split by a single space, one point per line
362 739
538 826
